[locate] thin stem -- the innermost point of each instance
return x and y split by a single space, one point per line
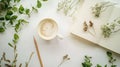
116 31
91 33
61 63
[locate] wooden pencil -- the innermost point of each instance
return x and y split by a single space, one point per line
38 52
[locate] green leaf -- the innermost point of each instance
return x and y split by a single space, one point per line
10 44
86 64
21 9
11 22
39 4
113 65
98 65
1 18
17 26
14 17
3 23
105 65
22 21
15 41
16 37
109 54
2 29
16 0
34 9
9 12
14 9
4 5
27 12
45 0
7 17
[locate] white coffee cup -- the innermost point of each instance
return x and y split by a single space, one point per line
48 29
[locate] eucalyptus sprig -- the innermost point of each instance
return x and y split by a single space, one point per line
109 28
100 7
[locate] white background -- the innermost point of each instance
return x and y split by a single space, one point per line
52 51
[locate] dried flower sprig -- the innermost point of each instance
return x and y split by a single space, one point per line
68 7
109 28
91 24
98 8
65 58
86 28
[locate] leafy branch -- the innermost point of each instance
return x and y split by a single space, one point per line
111 59
87 61
9 17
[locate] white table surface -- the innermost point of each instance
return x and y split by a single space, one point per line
52 51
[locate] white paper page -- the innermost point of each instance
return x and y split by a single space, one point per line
113 42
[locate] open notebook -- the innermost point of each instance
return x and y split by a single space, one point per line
111 13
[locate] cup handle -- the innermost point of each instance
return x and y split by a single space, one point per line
59 36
